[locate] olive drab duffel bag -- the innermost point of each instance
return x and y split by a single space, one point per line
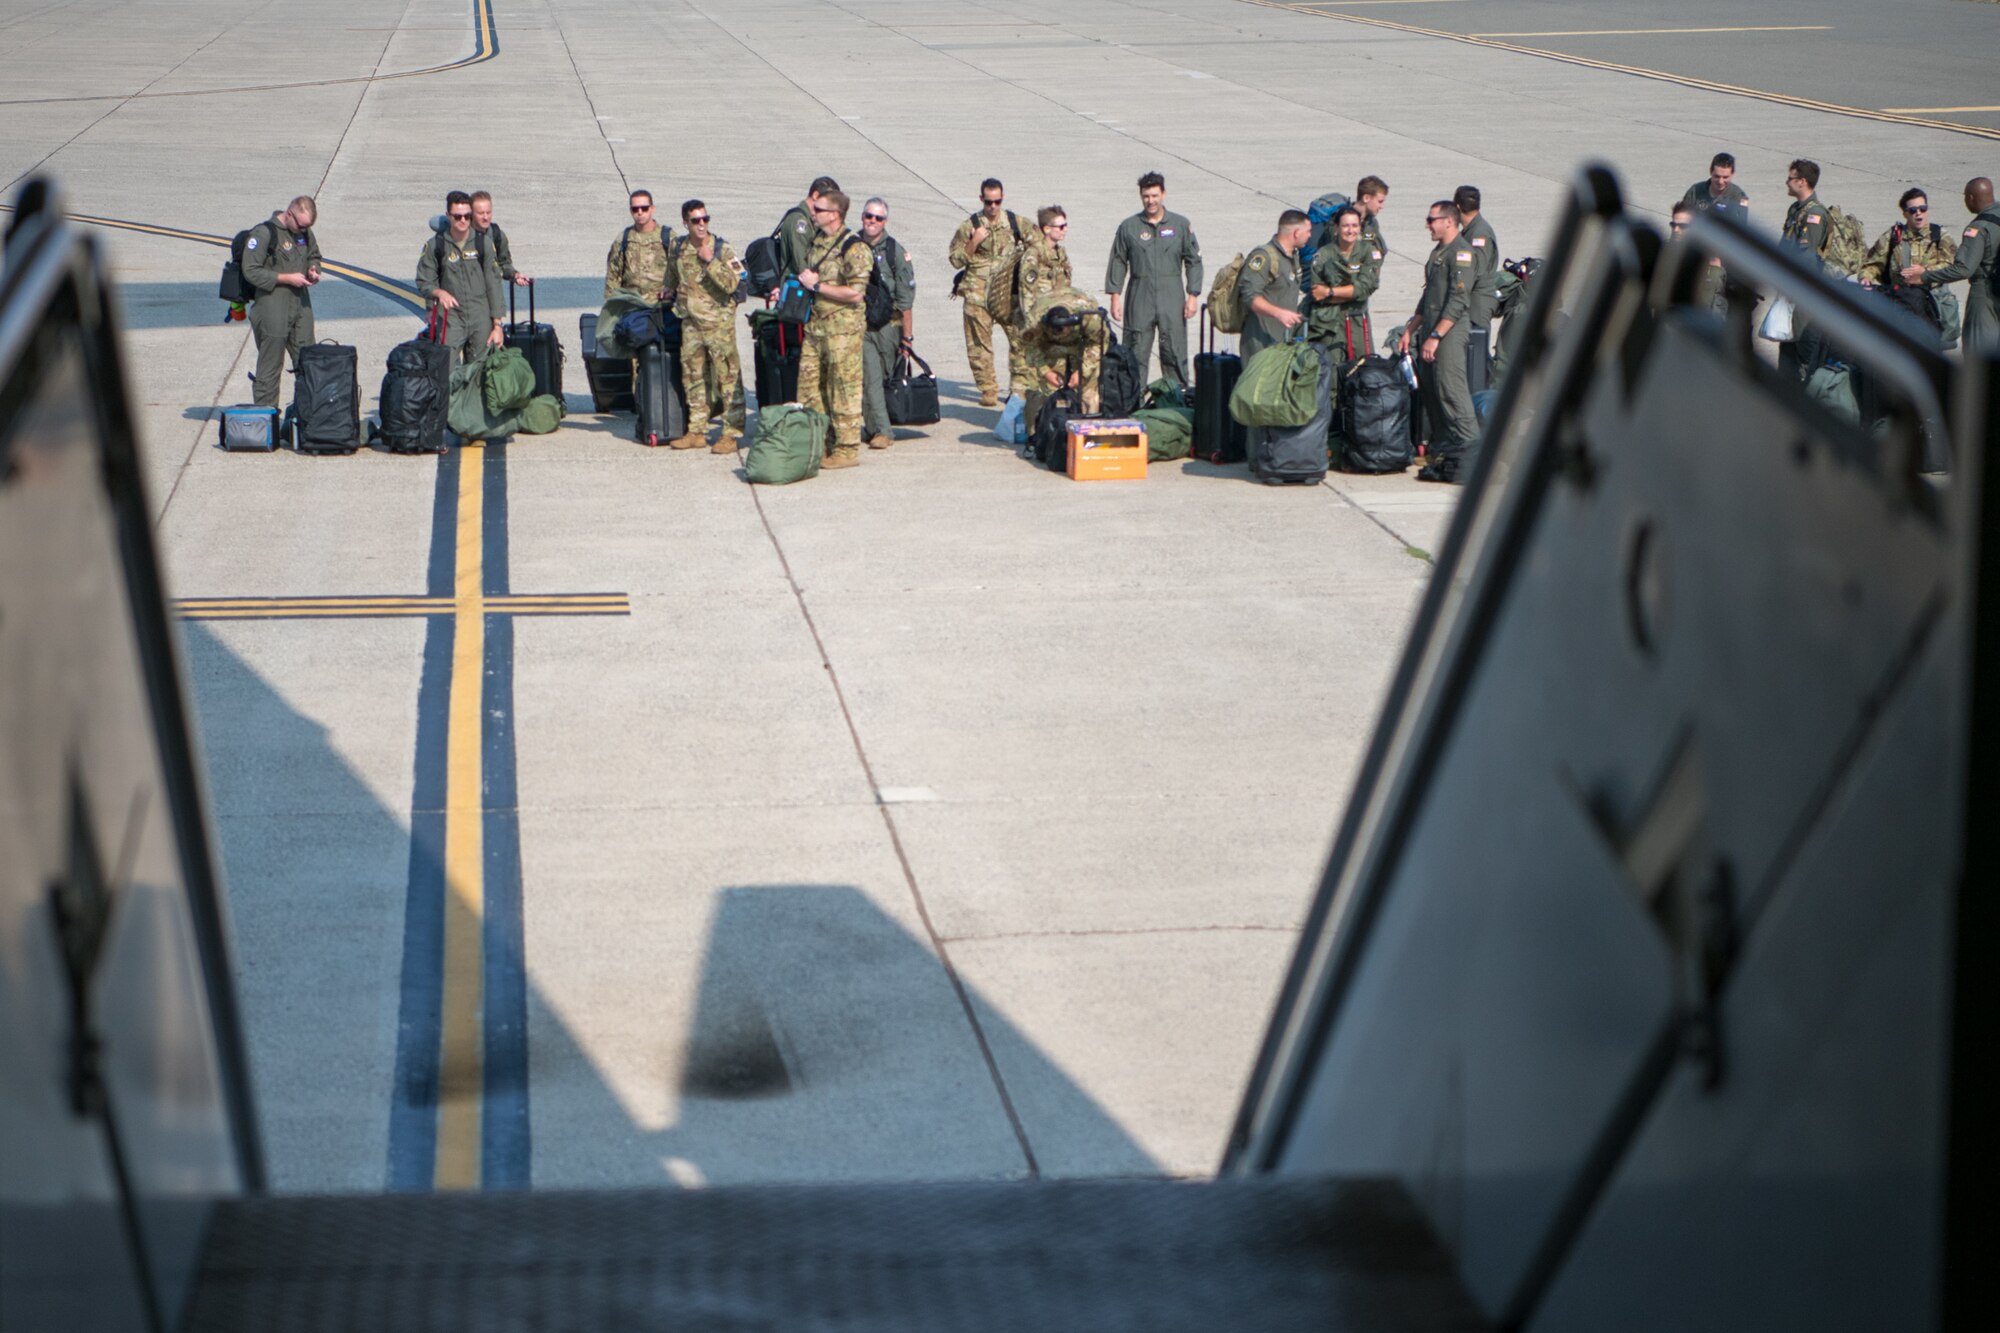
1278 387
789 447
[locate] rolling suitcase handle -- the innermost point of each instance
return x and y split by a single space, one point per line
438 325
512 313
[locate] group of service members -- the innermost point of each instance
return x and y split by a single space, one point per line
1153 278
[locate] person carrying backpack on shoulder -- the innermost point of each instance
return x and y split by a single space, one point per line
836 273
1042 267
1915 241
281 265
984 244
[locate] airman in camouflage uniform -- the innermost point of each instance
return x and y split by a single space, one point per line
1044 268
706 276
1344 275
281 264
836 272
1072 354
879 346
983 245
453 271
639 261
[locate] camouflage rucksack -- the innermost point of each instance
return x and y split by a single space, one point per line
1003 289
1223 307
1845 246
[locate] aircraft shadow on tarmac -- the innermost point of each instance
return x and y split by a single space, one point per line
826 1041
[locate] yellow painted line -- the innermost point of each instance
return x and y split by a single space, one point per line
462 1065
1642 32
1343 4
404 613
1638 71
1935 110
364 608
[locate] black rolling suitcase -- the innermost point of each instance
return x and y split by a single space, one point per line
662 408
416 393
1218 437
538 343
1374 417
777 346
610 377
1296 455
325 416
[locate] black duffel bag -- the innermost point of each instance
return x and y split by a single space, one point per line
912 391
1049 443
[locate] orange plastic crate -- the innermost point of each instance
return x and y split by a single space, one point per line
1107 451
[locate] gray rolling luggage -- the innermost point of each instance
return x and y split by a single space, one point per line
1296 455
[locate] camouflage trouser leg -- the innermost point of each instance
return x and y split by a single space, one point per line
979 328
830 381
710 369
1092 362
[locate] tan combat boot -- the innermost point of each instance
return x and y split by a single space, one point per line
880 441
846 455
989 398
688 441
727 444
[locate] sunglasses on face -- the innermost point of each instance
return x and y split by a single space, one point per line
1678 226
701 221
1438 218
461 217
874 217
1059 226
992 203
1915 209
642 208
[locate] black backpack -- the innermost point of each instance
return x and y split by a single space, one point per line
763 265
880 306
1050 442
1121 383
234 287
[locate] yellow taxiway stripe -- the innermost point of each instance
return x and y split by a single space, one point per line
387 608
1644 32
1935 110
1637 71
461 1066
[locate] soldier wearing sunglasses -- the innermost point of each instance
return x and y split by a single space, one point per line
454 274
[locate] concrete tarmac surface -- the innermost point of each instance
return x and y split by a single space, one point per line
627 825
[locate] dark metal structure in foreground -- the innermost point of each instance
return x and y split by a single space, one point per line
1644 989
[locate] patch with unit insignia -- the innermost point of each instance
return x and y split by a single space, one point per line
1166 231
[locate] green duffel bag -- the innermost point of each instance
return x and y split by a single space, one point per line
1279 387
542 415
466 412
509 381
1169 432
791 441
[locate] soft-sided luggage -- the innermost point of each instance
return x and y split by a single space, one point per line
542 415
538 343
466 412
506 381
911 392
789 445
1375 417
1296 455
1050 438
662 407
1121 381
610 377
1218 437
416 392
326 400
763 265
776 353
1279 386
249 429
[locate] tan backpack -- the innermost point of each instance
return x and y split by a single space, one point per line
1223 307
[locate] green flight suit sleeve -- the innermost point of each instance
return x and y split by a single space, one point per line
1119 266
903 281
1971 255
504 253
1458 294
1806 233
1255 279
1367 278
312 248
427 270
496 295
1191 260
260 266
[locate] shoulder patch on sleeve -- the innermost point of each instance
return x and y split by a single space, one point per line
1463 256
1812 218
800 226
1479 241
251 244
1374 254
1970 232
1255 261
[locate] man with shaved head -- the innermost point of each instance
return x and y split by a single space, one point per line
1977 265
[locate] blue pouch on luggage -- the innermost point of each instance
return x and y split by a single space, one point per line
249 429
